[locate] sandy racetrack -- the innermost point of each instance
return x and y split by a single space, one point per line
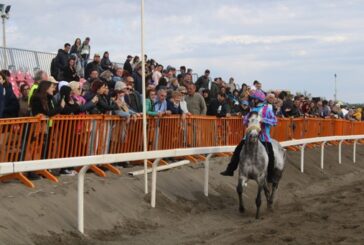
318 207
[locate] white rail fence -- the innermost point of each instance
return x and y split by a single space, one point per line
86 162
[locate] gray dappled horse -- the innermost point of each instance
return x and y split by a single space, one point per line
253 164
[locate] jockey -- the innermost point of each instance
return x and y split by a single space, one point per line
265 110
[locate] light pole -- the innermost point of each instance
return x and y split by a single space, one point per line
335 94
4 11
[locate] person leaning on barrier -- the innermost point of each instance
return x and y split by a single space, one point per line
195 102
42 102
9 105
173 105
160 104
149 102
77 98
103 106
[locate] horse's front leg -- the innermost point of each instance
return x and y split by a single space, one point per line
258 200
239 190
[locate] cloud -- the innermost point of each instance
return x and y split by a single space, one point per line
286 44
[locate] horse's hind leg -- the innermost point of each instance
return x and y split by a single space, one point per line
258 200
239 190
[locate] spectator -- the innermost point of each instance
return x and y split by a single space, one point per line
296 109
94 65
134 98
104 105
173 84
127 65
23 100
182 70
157 75
151 96
206 97
106 76
43 102
119 96
93 76
138 80
118 76
61 61
77 98
135 62
160 104
214 90
183 102
326 111
187 80
277 107
85 52
203 82
270 98
9 105
349 116
69 72
76 48
70 106
105 62
195 102
232 84
357 115
173 105
38 76
162 84
219 107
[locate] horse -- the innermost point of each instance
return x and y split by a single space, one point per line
253 164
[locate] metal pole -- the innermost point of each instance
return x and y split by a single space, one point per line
354 151
340 144
302 157
81 184
144 104
335 95
207 166
154 182
4 44
322 154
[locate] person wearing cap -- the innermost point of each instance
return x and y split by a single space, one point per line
127 65
257 99
242 109
203 82
94 65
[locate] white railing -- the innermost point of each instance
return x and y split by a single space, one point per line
86 162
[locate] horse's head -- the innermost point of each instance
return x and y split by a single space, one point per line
253 129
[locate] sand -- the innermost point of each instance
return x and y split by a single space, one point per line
317 207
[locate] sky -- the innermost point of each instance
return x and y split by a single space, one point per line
288 44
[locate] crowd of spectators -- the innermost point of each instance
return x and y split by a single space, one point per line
78 86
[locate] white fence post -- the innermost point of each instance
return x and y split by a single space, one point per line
81 182
322 154
354 151
302 157
340 144
207 167
154 182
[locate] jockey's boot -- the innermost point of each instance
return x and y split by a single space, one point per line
234 162
227 172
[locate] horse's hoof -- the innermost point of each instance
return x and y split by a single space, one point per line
241 209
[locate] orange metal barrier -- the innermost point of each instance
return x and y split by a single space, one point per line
34 138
